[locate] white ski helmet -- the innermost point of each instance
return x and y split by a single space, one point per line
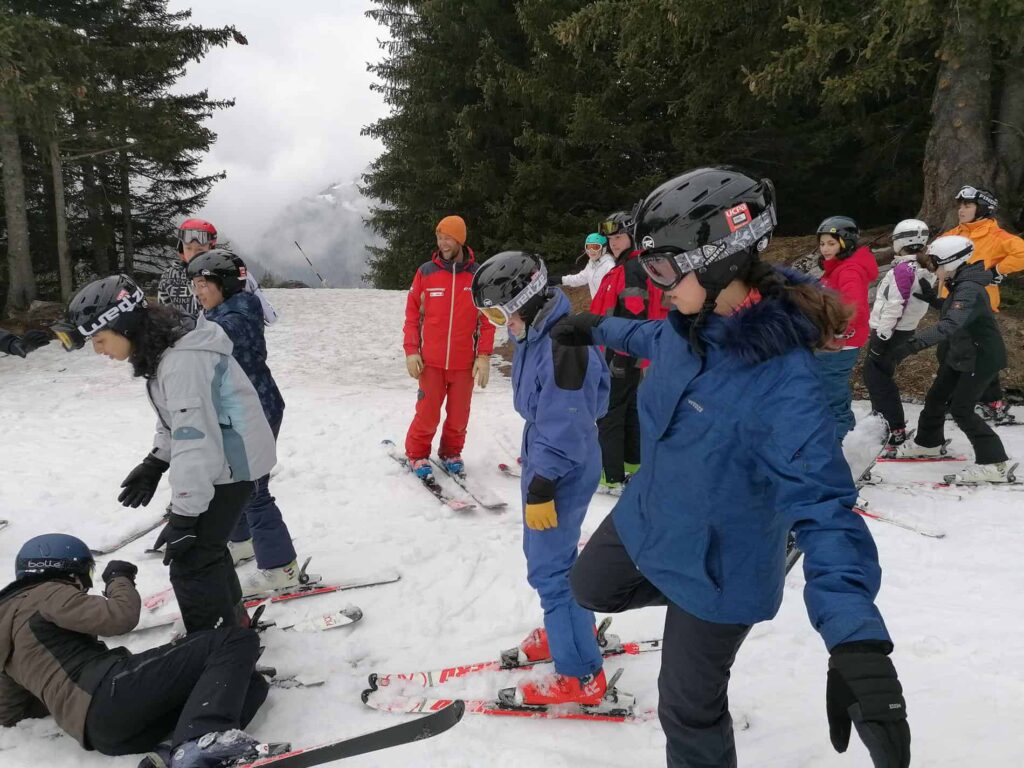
910 235
950 251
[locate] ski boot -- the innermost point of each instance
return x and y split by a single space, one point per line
980 474
241 551
897 437
631 469
270 580
911 450
422 469
611 486
562 689
453 465
535 647
216 749
158 758
998 412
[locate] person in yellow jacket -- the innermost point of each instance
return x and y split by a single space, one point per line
1003 254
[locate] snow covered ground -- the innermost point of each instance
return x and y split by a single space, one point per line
72 426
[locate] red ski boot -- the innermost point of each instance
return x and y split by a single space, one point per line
562 689
535 647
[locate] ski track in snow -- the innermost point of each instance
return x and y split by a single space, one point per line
74 425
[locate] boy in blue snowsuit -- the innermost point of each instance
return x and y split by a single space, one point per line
560 392
218 279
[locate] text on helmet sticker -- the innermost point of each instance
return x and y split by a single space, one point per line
737 217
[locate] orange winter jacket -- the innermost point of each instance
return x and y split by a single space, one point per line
993 246
441 322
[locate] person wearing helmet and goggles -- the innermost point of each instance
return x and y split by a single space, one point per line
599 263
739 450
971 351
1002 253
895 316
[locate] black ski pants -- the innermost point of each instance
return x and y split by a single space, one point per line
993 392
879 369
619 430
693 686
204 578
957 392
204 682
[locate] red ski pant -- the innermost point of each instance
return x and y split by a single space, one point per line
436 385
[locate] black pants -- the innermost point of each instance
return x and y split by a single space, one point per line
693 686
879 369
204 682
958 392
204 578
993 392
619 430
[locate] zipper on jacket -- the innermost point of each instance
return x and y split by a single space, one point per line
451 320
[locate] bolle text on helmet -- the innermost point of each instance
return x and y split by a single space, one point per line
126 302
44 565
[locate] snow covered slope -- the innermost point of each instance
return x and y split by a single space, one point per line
72 426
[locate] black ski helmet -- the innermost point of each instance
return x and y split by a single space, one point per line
987 202
844 229
56 554
616 224
510 282
222 266
116 303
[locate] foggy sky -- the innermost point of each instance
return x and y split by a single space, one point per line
302 95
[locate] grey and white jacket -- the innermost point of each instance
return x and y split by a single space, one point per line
896 308
210 424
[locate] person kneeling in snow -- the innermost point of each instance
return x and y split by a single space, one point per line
201 689
561 392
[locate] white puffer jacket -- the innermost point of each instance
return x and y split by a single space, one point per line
592 274
895 308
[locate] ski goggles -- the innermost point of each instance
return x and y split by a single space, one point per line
612 227
667 265
200 236
972 194
500 315
69 336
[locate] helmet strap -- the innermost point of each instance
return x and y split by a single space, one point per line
700 320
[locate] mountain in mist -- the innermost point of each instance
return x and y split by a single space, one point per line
329 227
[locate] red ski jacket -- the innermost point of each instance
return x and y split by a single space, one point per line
851 277
441 322
627 292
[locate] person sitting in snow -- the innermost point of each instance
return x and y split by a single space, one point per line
201 690
561 392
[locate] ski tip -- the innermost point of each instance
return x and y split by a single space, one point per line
457 708
372 682
365 696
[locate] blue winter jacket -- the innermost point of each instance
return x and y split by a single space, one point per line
738 449
561 392
241 317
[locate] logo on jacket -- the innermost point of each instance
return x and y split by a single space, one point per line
695 405
435 293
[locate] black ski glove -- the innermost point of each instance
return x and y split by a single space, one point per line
576 330
997 276
876 345
141 483
863 689
903 351
554 281
117 568
179 536
928 293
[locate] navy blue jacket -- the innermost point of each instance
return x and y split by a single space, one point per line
738 449
561 392
241 317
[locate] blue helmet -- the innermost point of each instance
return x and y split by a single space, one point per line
55 553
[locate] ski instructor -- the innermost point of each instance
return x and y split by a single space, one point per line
448 345
739 449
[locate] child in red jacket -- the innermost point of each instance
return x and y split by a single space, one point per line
849 271
448 345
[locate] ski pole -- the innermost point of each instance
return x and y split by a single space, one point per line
323 283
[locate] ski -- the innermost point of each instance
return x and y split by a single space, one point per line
111 548
934 533
485 497
923 459
430 483
320 623
437 722
505 469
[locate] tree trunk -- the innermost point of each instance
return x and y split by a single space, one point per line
127 241
959 147
99 233
22 286
1009 136
61 220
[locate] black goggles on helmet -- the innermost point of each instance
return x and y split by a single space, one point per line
500 315
973 194
667 265
612 227
69 336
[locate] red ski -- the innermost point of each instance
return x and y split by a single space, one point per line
923 459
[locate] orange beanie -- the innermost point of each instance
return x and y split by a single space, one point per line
454 227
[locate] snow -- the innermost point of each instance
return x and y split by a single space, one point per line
74 425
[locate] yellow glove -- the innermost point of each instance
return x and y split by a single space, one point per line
482 370
541 516
414 364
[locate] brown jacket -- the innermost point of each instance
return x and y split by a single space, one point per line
50 659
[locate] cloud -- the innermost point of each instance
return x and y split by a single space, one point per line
302 96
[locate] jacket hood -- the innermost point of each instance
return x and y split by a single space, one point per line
207 336
452 266
971 273
862 258
555 308
769 328
976 228
242 303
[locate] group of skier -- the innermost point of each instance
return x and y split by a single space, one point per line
732 444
